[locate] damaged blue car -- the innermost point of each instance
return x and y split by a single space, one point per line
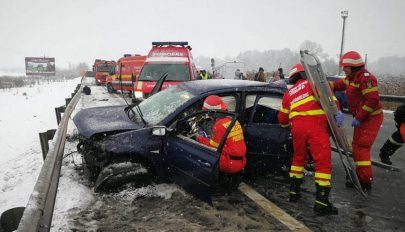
154 140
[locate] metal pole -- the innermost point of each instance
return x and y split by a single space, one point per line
344 16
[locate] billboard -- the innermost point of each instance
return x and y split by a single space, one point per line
40 66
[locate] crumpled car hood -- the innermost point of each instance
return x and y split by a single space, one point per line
96 120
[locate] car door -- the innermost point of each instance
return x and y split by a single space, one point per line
193 166
269 146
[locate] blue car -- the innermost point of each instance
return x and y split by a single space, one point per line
155 139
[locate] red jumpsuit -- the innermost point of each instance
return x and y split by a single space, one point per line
233 155
309 129
364 104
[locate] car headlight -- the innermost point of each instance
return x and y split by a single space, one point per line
138 94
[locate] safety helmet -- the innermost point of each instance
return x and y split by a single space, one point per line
351 59
296 69
214 102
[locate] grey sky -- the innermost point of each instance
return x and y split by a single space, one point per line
82 30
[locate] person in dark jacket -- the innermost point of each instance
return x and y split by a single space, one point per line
397 139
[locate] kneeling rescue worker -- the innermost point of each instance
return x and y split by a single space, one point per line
309 130
233 155
364 104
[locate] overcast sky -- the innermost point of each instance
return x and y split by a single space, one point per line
76 31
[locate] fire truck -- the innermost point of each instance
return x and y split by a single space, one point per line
102 69
126 70
173 59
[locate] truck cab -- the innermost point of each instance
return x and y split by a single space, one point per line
171 58
123 76
230 70
102 69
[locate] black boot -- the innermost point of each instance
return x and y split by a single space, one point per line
322 205
390 146
295 189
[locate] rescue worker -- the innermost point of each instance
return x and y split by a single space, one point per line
259 76
364 104
233 155
203 75
397 139
280 70
309 131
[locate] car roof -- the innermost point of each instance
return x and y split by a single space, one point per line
199 87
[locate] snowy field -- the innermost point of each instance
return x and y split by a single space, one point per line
24 113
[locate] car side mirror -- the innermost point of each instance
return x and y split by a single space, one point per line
159 130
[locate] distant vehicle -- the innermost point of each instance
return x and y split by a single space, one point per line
126 70
155 138
102 69
173 59
89 81
230 70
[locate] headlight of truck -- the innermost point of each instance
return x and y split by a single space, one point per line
138 94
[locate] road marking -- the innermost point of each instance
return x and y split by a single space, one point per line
272 209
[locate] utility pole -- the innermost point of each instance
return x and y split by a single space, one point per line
344 15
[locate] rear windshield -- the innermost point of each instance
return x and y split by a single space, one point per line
105 67
176 72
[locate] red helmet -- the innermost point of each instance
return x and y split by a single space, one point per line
351 59
296 69
214 102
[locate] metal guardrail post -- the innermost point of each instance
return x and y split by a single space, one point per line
58 111
44 137
68 100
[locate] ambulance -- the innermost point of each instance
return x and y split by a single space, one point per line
124 75
173 59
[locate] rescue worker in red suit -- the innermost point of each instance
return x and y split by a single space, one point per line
309 130
233 155
397 139
364 104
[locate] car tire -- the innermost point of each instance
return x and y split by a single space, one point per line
114 175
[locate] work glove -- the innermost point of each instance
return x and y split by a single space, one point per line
355 122
202 133
340 117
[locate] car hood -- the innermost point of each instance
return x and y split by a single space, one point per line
96 120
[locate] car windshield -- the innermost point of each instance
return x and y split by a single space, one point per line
176 72
157 107
105 67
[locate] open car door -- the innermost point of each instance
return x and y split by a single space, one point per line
269 146
192 165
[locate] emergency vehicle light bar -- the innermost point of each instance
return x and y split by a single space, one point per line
183 43
127 55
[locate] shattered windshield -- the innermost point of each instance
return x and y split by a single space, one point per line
160 105
176 72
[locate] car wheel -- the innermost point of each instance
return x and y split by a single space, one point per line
110 88
115 175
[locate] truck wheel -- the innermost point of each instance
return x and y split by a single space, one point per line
110 88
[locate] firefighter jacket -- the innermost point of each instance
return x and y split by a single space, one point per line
402 131
362 94
233 155
299 103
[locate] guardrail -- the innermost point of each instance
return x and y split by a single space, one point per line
38 213
392 98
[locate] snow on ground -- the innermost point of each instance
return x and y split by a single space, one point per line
24 113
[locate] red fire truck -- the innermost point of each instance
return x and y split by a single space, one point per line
126 70
171 58
102 69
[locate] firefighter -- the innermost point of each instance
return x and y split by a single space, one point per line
309 131
397 139
233 156
364 104
203 75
